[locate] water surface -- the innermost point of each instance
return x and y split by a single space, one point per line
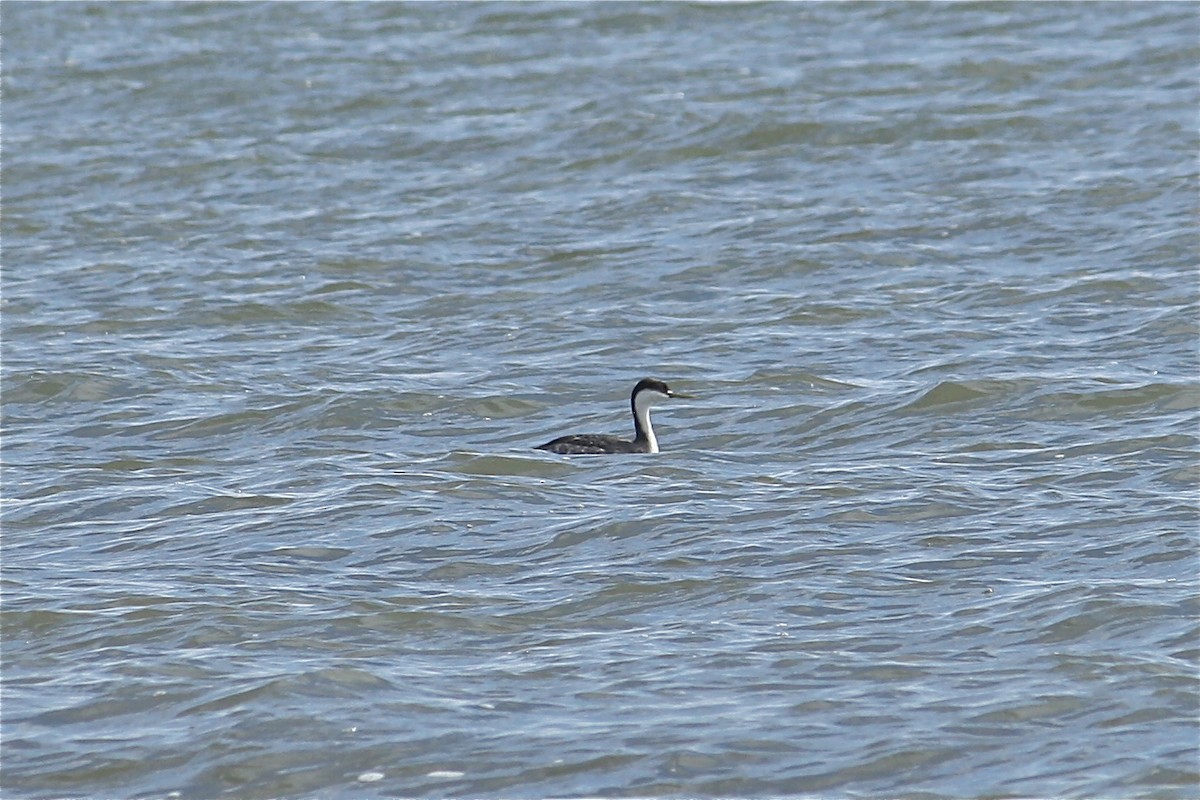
291 291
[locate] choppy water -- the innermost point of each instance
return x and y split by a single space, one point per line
290 291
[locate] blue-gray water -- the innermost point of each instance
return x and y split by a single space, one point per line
291 291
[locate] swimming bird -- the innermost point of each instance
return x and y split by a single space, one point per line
647 392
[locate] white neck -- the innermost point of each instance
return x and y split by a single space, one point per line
642 412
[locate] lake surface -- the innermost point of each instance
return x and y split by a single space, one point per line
290 292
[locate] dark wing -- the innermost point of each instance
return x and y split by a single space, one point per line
585 444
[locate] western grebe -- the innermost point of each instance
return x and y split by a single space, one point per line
647 392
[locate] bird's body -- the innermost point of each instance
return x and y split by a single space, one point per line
647 392
594 444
